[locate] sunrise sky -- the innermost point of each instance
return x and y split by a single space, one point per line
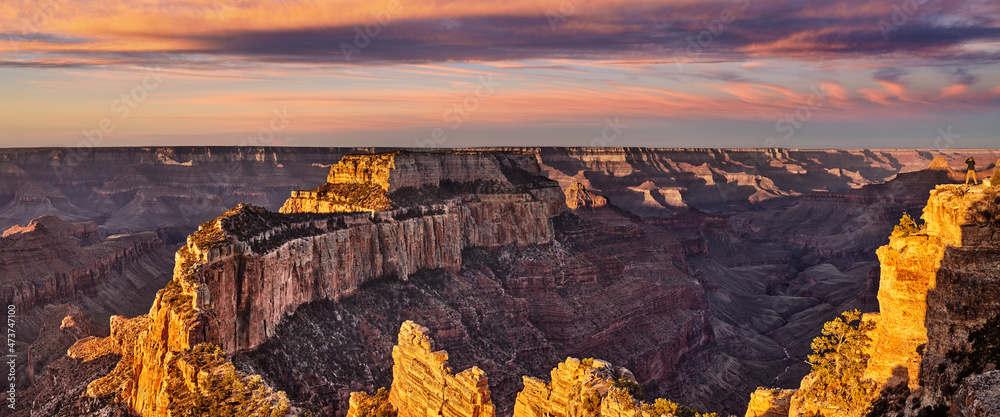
690 73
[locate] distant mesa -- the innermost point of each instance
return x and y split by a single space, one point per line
389 180
82 231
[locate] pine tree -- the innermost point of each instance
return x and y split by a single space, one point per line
839 364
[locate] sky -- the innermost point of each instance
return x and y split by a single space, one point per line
439 73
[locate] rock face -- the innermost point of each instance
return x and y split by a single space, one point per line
423 384
929 278
979 396
769 403
577 196
576 389
373 182
49 262
292 259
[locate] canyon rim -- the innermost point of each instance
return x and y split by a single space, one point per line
516 281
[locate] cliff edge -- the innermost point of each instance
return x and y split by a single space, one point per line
940 284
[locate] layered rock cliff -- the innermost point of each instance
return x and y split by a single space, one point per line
242 273
423 384
401 178
45 262
49 262
939 284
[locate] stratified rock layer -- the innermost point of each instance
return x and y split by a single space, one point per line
938 284
375 182
424 385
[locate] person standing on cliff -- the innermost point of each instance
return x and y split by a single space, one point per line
972 171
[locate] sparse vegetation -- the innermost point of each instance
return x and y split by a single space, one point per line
839 362
907 226
377 405
631 387
995 179
219 389
666 407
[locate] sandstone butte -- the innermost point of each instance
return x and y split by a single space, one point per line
937 286
239 274
423 385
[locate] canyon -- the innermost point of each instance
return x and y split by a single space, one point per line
706 272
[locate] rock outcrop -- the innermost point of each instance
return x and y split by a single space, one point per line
577 196
979 396
576 388
929 278
423 384
383 181
259 266
928 281
766 402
